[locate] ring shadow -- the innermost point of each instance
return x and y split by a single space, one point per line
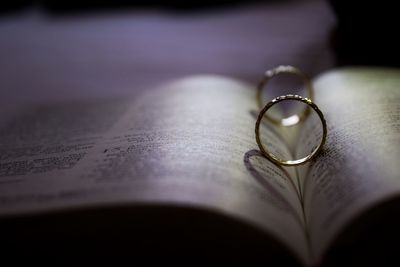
260 179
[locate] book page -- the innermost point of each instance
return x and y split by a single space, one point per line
190 143
358 166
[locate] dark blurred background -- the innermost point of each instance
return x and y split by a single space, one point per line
82 6
365 33
63 50
53 50
69 49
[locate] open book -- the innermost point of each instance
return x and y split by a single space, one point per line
178 168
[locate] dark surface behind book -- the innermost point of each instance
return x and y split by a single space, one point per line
370 240
135 235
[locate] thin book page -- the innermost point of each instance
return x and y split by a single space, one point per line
359 164
189 143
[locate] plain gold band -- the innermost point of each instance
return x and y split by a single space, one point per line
274 72
271 156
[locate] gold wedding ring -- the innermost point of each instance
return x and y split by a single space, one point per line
294 119
273 157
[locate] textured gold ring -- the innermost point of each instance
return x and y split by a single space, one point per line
270 155
294 119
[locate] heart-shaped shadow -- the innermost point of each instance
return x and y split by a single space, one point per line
265 182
